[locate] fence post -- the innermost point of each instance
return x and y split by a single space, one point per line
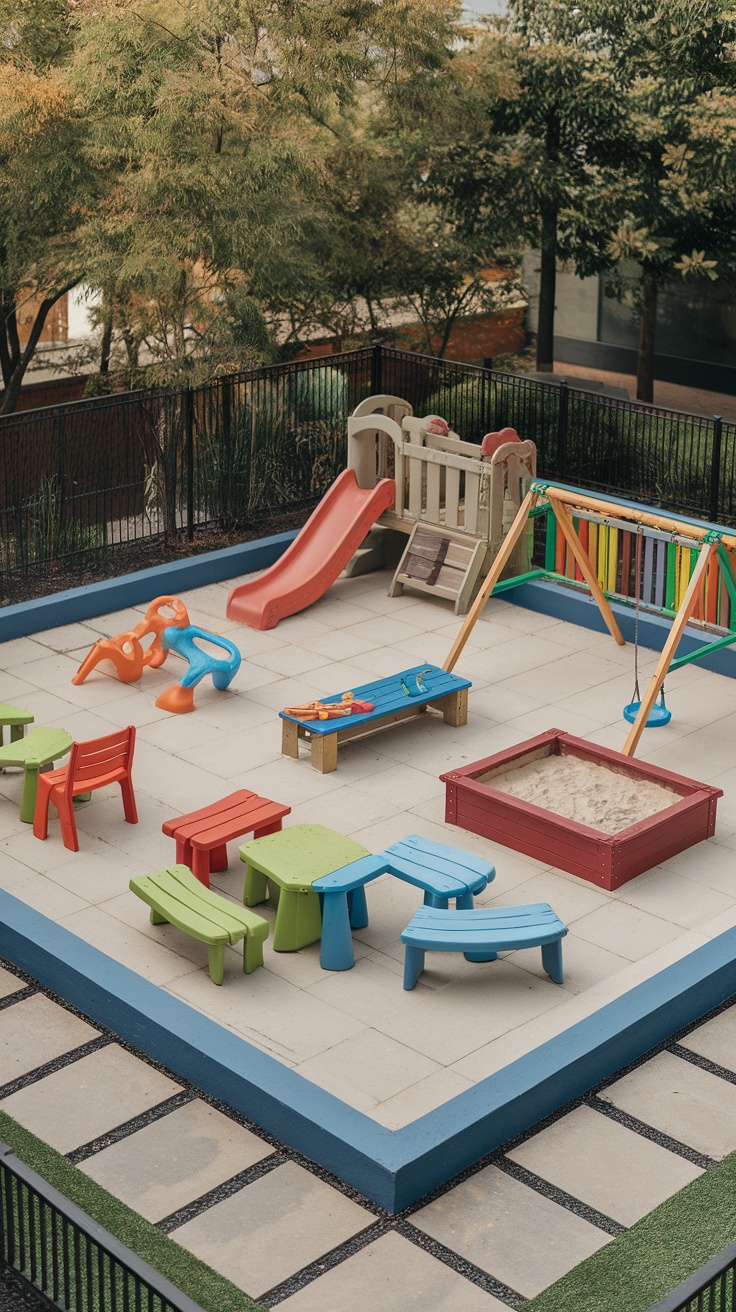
562 431
377 370
715 468
189 425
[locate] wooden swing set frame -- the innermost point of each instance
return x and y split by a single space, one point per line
563 502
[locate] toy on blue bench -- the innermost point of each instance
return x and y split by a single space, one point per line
179 698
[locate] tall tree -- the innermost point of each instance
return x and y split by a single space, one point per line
221 116
676 182
46 183
529 155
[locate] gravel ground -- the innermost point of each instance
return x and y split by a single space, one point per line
16 1296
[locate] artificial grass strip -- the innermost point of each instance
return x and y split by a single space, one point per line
212 1291
660 1251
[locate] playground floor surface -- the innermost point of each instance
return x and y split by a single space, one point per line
390 1054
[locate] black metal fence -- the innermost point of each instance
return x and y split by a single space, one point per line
84 479
73 1263
711 1289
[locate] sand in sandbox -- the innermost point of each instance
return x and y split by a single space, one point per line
584 791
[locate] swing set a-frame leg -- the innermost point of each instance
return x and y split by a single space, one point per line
687 606
586 569
504 555
494 574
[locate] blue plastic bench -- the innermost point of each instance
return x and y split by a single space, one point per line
481 934
395 699
444 873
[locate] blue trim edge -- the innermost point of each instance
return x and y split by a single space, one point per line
132 589
393 1168
577 607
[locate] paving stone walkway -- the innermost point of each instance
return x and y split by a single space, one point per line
295 1237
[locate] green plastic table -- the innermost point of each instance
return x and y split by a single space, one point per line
288 862
40 748
15 719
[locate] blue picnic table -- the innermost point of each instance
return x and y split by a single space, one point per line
396 699
445 874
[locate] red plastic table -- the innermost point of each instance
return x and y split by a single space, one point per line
202 836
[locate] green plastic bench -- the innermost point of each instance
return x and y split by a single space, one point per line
177 898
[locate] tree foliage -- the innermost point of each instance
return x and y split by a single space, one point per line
228 123
675 185
46 183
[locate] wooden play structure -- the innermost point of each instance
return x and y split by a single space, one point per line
455 504
685 569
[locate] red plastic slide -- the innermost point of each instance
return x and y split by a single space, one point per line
325 544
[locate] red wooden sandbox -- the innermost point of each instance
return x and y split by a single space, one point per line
607 860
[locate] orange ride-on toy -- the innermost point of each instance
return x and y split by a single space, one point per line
126 651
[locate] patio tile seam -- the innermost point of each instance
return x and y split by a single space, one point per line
462 1265
493 1157
132 1126
649 1132
665 1046
226 1189
57 1064
704 1063
334 1181
559 1196
327 1262
20 996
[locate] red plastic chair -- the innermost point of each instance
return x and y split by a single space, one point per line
91 765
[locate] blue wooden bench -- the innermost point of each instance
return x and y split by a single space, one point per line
444 873
395 699
481 934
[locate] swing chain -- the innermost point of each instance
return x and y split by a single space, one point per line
637 592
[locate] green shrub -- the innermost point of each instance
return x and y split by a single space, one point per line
41 531
321 394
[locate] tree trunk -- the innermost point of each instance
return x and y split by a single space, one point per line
647 330
20 360
547 282
106 344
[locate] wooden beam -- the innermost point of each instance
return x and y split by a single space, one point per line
651 519
586 569
707 551
494 574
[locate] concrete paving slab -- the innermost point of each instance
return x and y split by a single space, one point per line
176 1159
10 983
88 1098
369 1063
625 930
715 1040
604 1164
35 1031
681 1100
394 1275
420 1098
272 1228
507 1229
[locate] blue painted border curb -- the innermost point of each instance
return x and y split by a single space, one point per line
577 607
393 1168
132 589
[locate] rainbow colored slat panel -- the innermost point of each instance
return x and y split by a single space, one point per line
665 570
